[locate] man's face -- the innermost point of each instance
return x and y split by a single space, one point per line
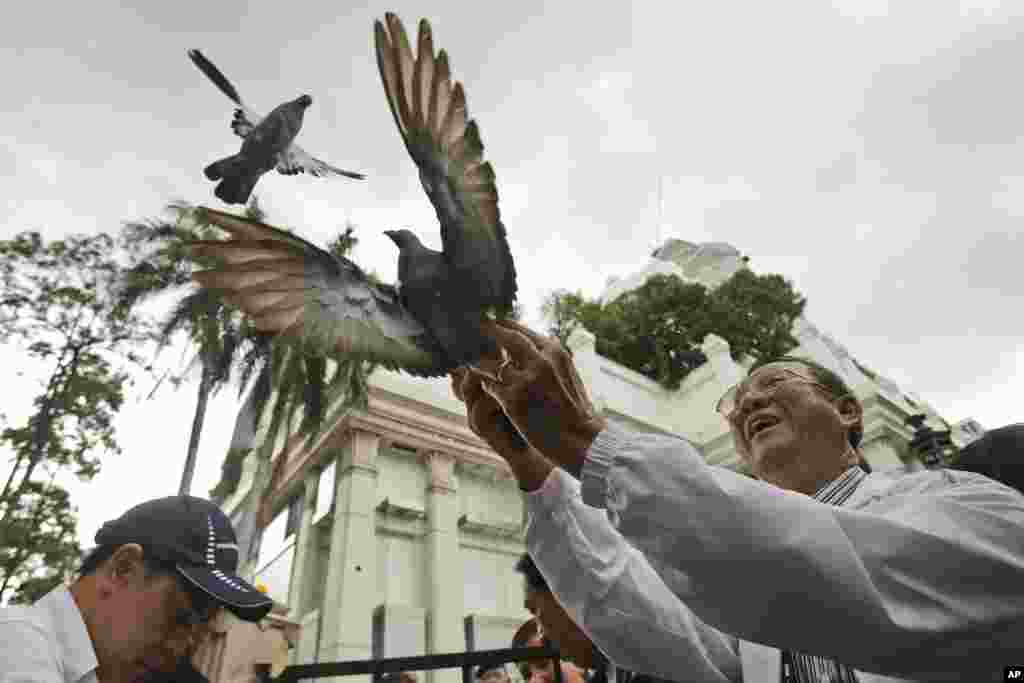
790 429
141 628
557 625
543 671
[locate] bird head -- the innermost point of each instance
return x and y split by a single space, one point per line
305 101
402 238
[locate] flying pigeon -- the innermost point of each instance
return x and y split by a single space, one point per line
291 287
430 323
448 291
268 142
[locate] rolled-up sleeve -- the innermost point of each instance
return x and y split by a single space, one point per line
920 581
615 596
26 654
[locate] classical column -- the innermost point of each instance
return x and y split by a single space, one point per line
445 631
351 585
300 589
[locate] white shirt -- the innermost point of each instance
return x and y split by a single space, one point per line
917 575
46 643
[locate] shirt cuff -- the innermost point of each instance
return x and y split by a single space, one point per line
552 492
594 474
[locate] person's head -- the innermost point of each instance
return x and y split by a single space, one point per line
795 422
492 674
158 575
531 634
553 619
998 454
399 677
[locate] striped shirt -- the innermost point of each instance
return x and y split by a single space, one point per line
800 668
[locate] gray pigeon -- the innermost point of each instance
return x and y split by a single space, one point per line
448 291
292 288
268 142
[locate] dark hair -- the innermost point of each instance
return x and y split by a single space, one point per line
534 579
153 565
527 632
485 669
832 382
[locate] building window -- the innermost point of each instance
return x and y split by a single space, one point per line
277 551
294 517
325 491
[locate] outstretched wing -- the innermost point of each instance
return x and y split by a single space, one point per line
431 115
245 118
297 160
290 287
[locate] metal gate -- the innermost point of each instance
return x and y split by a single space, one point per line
463 660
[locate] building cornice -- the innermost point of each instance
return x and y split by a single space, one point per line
395 419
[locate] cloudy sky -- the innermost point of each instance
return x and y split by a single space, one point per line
872 152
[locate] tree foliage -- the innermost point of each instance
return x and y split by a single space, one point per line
285 379
657 329
60 310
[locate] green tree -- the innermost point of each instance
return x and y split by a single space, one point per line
657 329
283 377
60 310
217 333
755 314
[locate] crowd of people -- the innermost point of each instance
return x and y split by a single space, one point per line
643 561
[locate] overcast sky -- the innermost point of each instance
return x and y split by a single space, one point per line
870 152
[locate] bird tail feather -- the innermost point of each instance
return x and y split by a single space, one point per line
235 189
223 168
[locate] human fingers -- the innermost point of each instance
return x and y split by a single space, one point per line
471 388
458 375
539 340
487 420
569 377
522 350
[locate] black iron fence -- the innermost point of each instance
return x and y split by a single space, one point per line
467 661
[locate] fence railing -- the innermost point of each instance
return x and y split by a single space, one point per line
466 661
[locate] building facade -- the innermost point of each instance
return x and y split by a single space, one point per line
396 534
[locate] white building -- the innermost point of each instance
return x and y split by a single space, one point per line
397 533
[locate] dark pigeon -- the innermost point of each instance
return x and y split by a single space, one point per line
448 291
268 142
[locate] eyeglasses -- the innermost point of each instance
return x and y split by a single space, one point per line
728 405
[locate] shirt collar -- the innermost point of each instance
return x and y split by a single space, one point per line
842 487
76 650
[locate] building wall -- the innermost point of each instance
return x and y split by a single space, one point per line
412 550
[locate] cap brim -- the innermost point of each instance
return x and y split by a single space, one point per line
237 595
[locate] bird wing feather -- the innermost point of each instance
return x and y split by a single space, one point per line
245 119
431 115
303 294
297 160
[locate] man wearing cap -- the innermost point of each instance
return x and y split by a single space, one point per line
144 596
822 571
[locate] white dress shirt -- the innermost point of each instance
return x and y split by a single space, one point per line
46 643
918 576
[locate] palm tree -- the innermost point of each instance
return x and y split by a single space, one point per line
286 377
217 332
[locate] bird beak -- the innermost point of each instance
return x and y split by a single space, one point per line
305 100
392 235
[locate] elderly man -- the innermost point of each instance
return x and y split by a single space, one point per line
824 572
159 574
